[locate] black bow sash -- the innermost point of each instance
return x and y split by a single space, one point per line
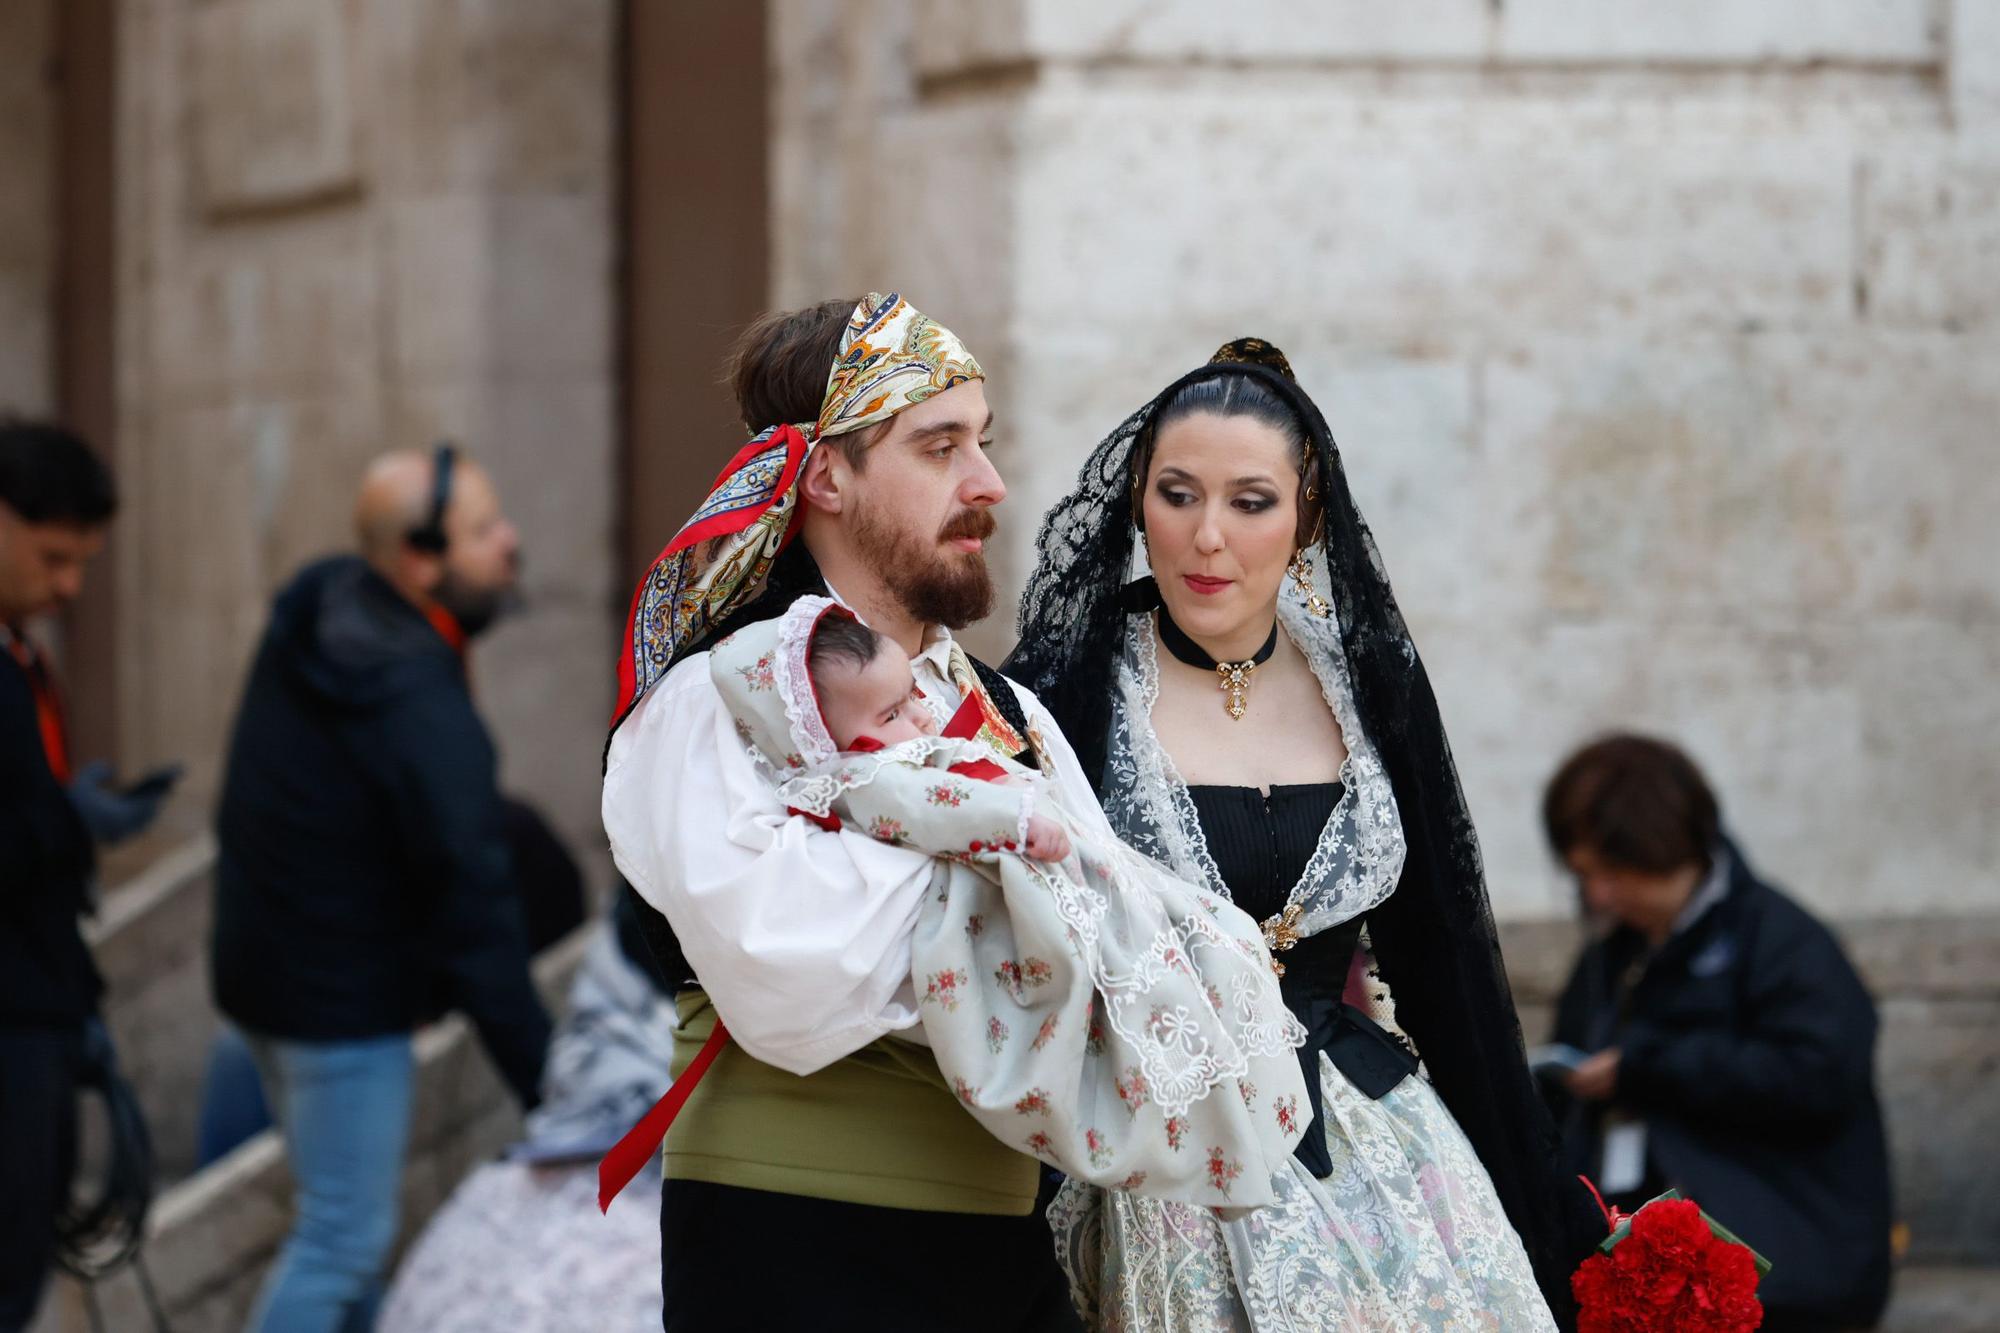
1365 1054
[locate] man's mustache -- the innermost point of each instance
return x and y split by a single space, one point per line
975 523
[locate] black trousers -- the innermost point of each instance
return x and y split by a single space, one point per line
38 1072
738 1259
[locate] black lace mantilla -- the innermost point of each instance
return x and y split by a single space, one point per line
1434 937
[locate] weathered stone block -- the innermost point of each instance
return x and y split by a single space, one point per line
1747 475
1974 69
268 312
1720 31
27 206
549 265
436 252
27 371
1930 237
951 38
509 96
1270 199
273 101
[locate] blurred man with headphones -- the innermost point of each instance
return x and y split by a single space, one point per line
364 870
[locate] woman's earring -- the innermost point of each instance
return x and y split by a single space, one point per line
1301 574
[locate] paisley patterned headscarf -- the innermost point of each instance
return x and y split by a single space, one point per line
891 357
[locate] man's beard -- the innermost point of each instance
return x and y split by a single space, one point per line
934 584
475 609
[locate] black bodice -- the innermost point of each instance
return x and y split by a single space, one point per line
1261 845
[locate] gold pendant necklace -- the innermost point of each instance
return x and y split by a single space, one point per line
1232 678
1235 685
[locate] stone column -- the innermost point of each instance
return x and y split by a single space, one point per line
27 207
355 225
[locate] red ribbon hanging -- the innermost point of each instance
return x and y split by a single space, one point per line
633 1151
1613 1217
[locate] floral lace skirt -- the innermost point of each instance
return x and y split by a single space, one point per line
1405 1235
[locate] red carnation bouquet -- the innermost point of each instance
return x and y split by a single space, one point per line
1669 1266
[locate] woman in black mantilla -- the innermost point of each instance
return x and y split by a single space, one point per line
1255 716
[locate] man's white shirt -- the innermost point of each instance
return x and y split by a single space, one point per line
800 936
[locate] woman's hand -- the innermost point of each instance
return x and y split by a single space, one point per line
1046 840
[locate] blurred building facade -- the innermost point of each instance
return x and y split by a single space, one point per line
1660 340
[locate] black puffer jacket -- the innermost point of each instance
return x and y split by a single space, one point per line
46 976
364 867
1748 1048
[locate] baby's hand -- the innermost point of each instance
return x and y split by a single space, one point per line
1046 840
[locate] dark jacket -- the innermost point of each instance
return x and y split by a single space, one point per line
1748 1048
363 868
47 978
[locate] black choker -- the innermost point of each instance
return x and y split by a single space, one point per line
1233 677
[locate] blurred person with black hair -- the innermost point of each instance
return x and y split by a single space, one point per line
1728 1043
364 871
56 500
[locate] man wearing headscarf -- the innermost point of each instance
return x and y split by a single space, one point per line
822 1174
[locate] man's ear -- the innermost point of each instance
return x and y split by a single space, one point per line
824 482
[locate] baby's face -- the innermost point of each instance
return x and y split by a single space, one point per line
879 701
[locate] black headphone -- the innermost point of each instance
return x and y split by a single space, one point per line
430 536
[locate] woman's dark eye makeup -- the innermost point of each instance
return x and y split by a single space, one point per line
1250 502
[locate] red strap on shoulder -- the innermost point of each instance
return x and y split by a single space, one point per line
633 1151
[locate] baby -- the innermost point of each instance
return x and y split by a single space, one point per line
870 701
1080 1001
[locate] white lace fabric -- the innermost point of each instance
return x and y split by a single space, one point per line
1359 856
794 679
1084 1011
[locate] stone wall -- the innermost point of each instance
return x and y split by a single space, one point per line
349 225
27 206
1658 339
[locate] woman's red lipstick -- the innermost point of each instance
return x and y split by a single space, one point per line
1204 584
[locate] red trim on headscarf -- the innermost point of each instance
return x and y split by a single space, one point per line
633 1151
865 745
50 718
721 525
